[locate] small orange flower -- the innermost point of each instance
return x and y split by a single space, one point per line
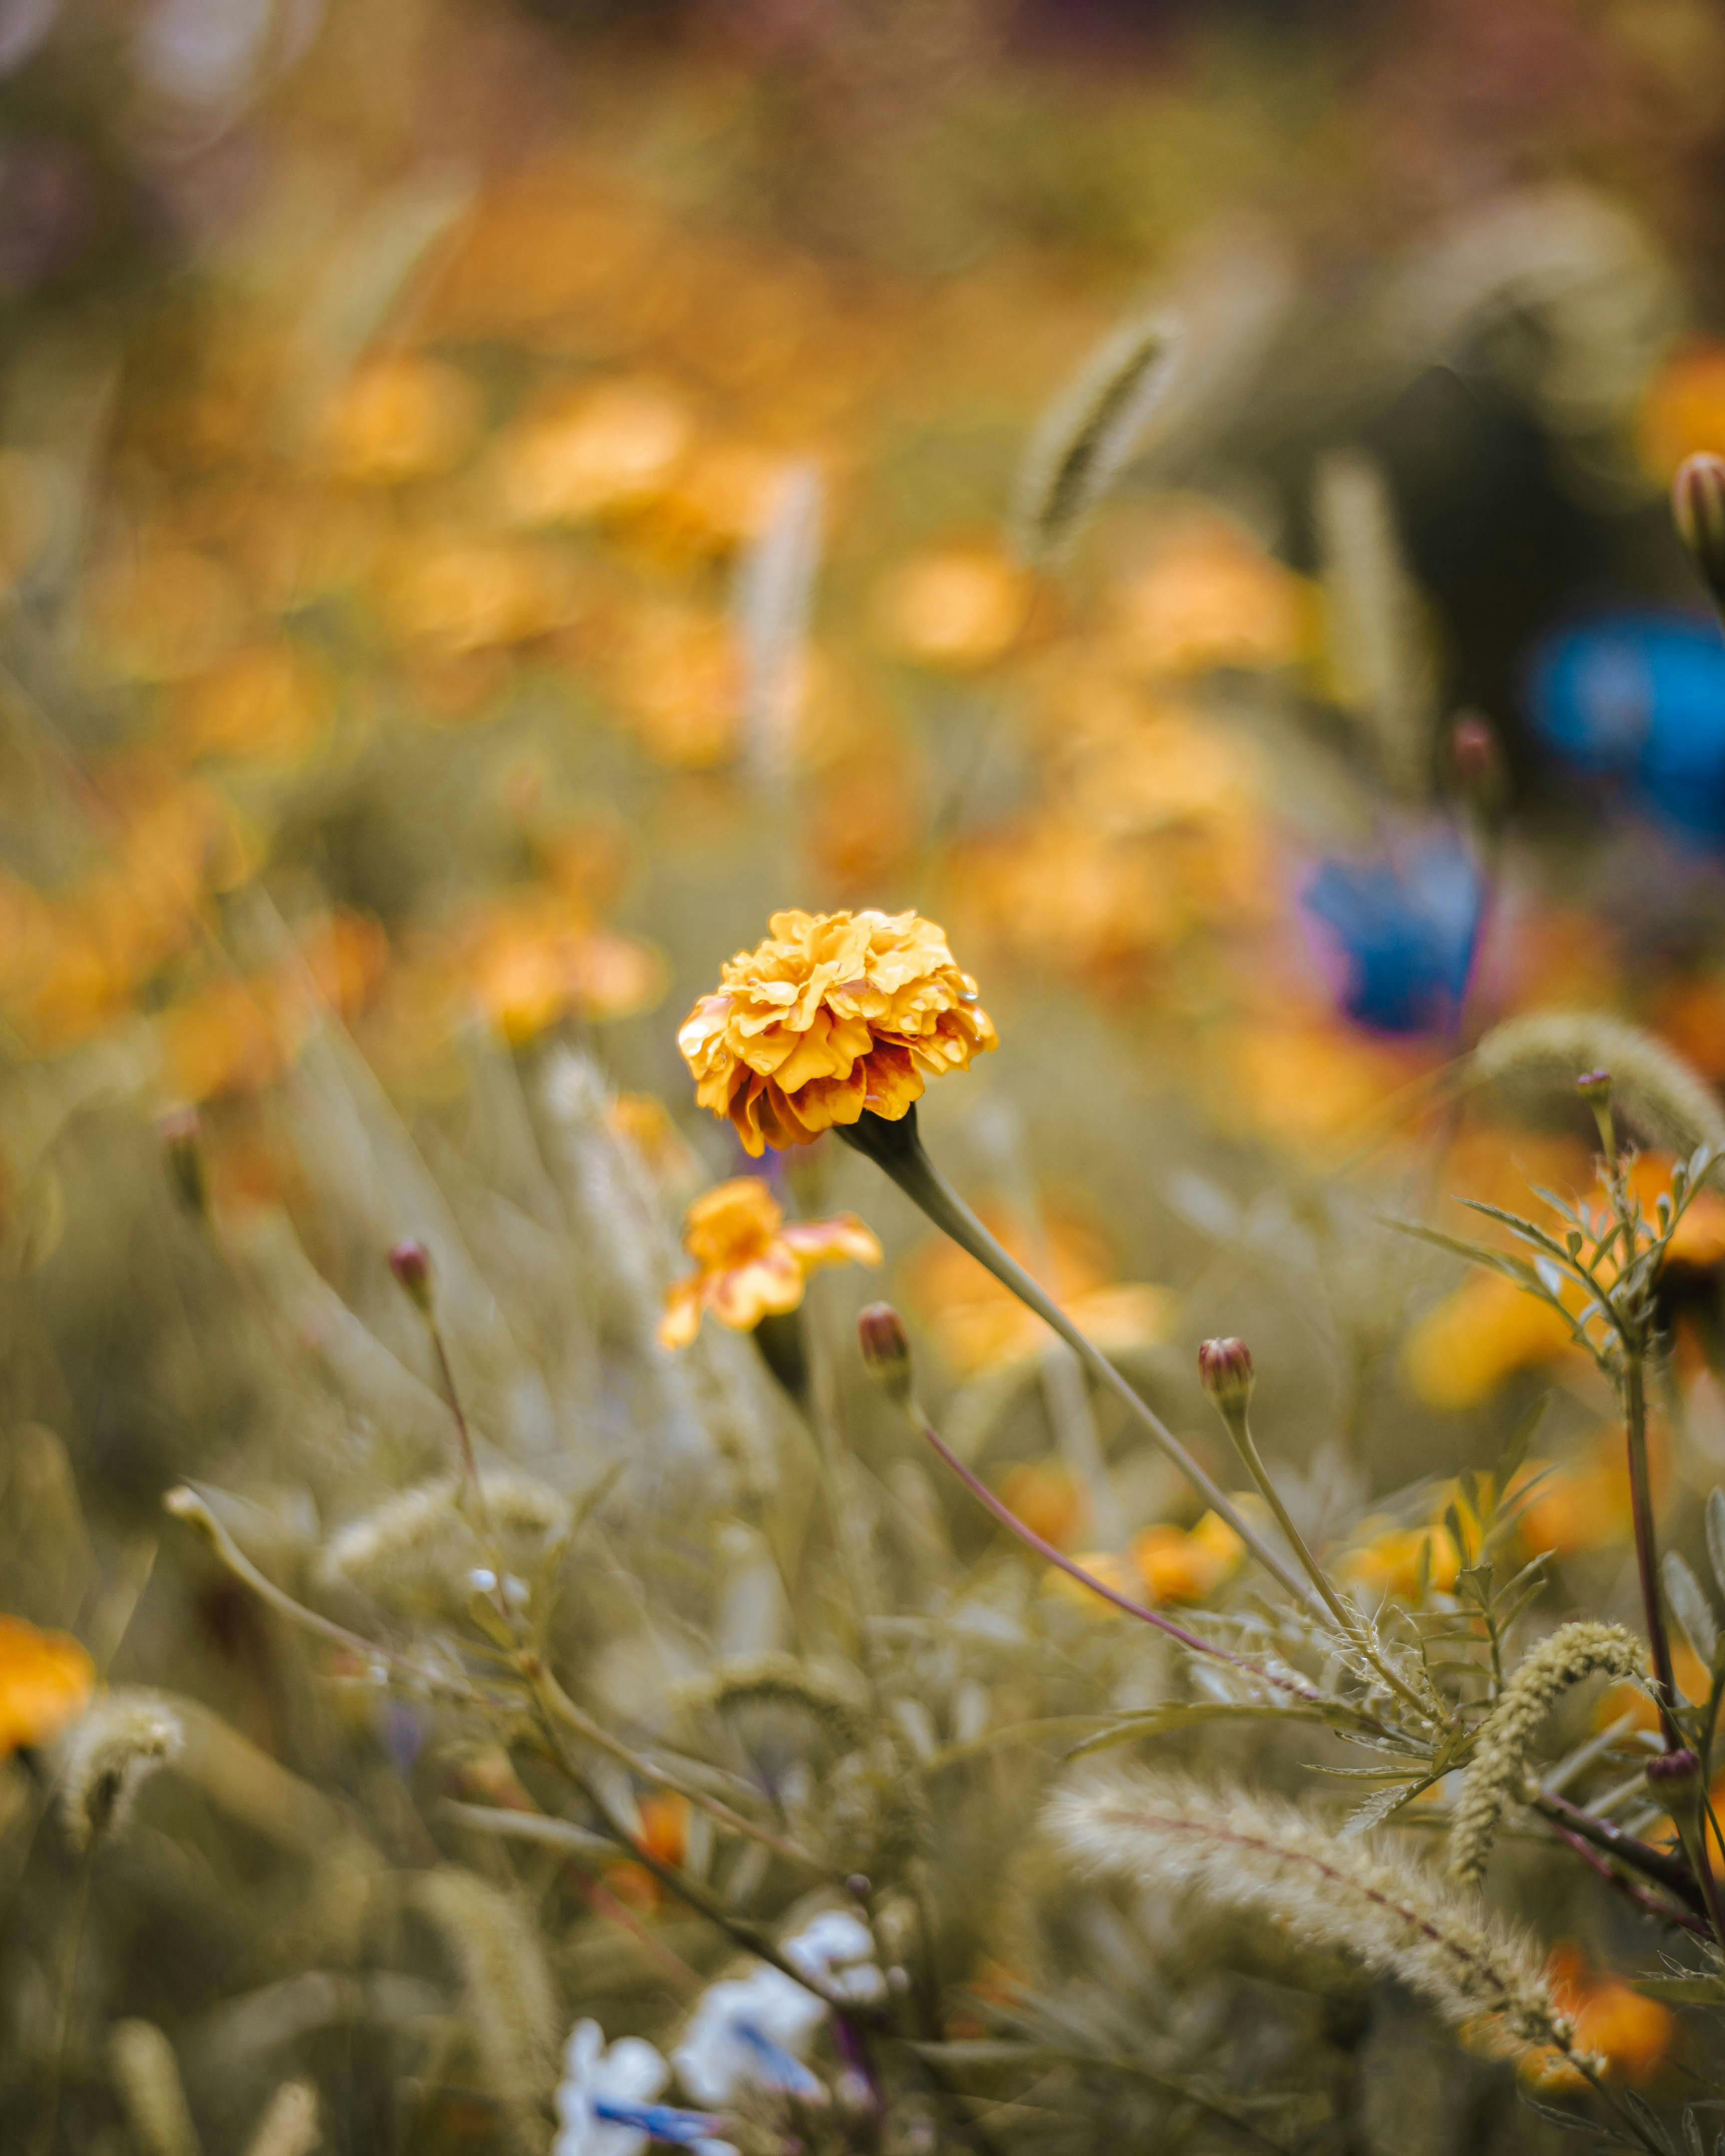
1106 1565
834 1013
1633 2035
1181 1564
753 1264
46 1679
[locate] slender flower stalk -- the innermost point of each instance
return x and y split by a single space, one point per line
1225 1370
885 1350
896 1149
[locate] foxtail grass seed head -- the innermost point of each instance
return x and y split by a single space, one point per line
110 1754
507 1996
411 1263
147 2075
1698 510
1083 442
885 1349
1653 1089
1224 1369
1368 1899
1572 1654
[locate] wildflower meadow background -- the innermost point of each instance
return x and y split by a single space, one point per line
862 1017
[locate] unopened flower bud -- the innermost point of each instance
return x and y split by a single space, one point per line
1594 1088
181 1135
1475 760
411 1263
1698 509
1673 1777
1224 1369
885 1351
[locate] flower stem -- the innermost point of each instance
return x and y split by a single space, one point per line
1347 1623
1027 1535
896 1149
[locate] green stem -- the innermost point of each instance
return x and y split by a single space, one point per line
1346 1621
896 1150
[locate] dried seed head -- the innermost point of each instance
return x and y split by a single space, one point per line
1698 510
885 1349
411 1263
1224 1369
107 1758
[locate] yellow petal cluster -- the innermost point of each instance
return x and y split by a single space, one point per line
752 1263
834 1013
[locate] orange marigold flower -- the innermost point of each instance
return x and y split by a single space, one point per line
1389 1563
753 1263
46 1679
834 1013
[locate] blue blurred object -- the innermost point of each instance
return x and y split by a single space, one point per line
1641 697
1407 924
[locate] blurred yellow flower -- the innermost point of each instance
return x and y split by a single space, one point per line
46 1679
1634 2034
1182 1564
1310 1084
466 594
168 612
1388 1563
833 1014
532 959
1580 1507
268 702
977 1322
645 1122
402 417
592 453
958 608
1209 597
1482 1333
752 1263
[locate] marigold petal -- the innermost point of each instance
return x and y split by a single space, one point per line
766 1287
843 1240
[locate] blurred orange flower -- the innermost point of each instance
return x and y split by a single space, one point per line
1044 1496
1209 597
591 452
1482 1333
1108 1566
1633 2035
402 417
834 1013
752 1263
977 1322
1685 408
531 958
267 701
1182 1564
46 1679
959 608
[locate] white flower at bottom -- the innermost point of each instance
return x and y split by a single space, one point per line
605 2102
747 2032
837 1950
